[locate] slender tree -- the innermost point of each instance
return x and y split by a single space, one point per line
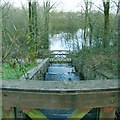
88 25
33 28
35 24
86 20
90 22
47 8
30 18
90 32
46 24
106 5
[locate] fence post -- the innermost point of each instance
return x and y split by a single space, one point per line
107 112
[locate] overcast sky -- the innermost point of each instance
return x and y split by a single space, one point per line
66 5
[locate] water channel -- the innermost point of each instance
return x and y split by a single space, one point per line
63 72
60 72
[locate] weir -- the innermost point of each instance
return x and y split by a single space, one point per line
61 93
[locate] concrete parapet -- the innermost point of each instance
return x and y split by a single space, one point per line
37 72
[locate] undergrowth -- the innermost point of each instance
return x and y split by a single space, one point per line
15 72
99 59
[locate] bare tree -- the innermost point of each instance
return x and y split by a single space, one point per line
46 24
86 19
47 8
106 5
33 27
88 23
117 4
5 9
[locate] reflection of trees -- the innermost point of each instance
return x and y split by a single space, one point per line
19 33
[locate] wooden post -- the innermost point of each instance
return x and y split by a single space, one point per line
8 113
107 112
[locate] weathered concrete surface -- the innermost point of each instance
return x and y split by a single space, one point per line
37 73
61 95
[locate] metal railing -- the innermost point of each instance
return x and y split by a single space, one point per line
56 56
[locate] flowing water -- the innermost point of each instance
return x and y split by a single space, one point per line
60 72
64 72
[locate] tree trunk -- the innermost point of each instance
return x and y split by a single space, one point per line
30 18
35 24
85 28
106 6
33 29
91 32
46 24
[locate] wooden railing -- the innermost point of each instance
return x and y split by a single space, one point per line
81 95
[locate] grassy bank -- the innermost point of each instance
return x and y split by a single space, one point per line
16 71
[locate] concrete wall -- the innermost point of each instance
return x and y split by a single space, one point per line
38 72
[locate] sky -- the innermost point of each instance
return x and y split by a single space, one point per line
65 5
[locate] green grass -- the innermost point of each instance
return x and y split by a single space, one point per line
9 72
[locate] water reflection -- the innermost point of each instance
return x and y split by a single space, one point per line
66 41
